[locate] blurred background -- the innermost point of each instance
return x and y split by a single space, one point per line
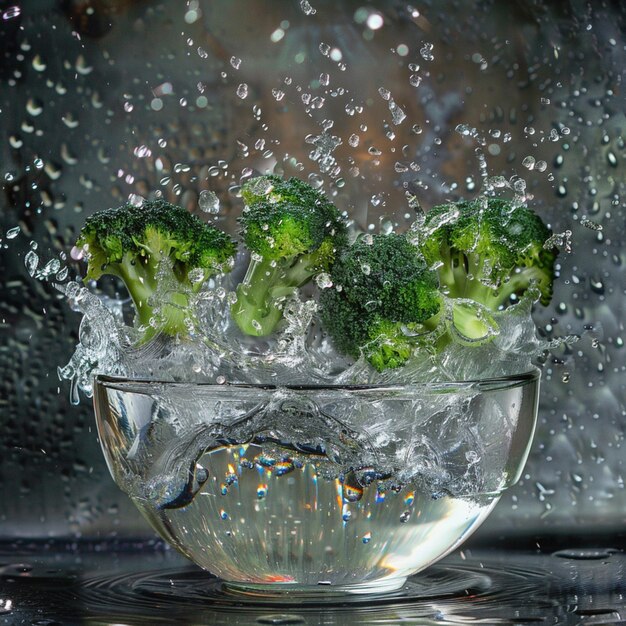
388 106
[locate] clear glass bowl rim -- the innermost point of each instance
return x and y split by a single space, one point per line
480 384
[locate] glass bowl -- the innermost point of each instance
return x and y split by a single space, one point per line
315 489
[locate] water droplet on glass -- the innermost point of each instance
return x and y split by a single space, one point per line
11 13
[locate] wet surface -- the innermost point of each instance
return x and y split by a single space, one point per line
67 584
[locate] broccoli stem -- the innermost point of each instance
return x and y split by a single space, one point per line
142 284
264 289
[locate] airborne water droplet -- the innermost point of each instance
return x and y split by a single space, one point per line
209 202
307 8
426 52
31 260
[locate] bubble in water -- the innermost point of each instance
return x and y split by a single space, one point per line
367 537
405 516
12 233
415 80
385 94
529 162
353 140
235 62
242 91
278 94
209 202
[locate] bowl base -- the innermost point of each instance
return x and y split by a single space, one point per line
258 590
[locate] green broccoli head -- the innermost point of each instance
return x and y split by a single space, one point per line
383 296
136 243
293 233
487 250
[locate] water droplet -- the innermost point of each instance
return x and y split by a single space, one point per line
12 233
196 275
323 281
405 516
426 52
11 13
242 91
31 260
415 80
38 64
324 49
235 62
209 202
367 537
529 162
385 94
307 8
397 114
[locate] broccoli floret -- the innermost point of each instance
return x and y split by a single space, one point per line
485 252
161 252
293 233
383 298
